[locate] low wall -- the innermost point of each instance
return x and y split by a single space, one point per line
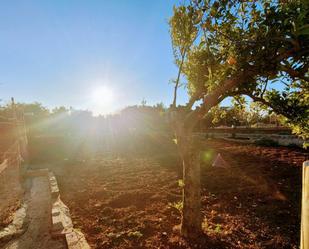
248 130
283 140
62 225
61 222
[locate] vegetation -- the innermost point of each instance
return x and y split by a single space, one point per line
267 142
177 205
120 173
68 133
236 49
240 115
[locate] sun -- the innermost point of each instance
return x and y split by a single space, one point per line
103 99
102 95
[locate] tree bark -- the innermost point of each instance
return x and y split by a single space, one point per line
191 223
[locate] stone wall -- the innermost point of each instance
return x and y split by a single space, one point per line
283 140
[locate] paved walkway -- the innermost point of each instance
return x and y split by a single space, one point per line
37 235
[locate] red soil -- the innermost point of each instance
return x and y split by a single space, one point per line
11 193
128 203
6 214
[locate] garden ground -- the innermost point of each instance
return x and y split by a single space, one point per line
134 202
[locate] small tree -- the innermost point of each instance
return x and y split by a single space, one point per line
233 49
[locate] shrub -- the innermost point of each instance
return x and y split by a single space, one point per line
177 205
266 142
136 234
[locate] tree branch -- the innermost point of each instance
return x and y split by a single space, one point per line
258 99
192 100
276 108
216 96
295 73
178 78
265 87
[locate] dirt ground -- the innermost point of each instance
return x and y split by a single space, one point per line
11 193
134 203
6 214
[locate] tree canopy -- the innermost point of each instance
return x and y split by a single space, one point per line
244 48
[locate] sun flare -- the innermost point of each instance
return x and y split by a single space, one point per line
103 95
103 99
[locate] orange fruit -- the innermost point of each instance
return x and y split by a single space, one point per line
231 61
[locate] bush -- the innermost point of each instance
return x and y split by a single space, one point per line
293 146
266 142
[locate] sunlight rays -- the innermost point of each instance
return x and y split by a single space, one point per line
102 99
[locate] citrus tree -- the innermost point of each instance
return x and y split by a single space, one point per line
253 49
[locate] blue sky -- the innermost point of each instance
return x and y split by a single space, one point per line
60 52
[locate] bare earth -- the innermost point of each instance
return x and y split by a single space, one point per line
128 203
11 193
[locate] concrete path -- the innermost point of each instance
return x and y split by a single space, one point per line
37 235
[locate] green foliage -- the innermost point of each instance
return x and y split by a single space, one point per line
130 234
175 140
292 145
181 183
135 234
239 48
294 105
60 110
177 205
238 115
186 31
69 133
267 142
217 229
112 235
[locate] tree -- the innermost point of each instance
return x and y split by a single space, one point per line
234 49
60 110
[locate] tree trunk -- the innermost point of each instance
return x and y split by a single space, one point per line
191 224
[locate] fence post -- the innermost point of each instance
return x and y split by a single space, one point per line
304 236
